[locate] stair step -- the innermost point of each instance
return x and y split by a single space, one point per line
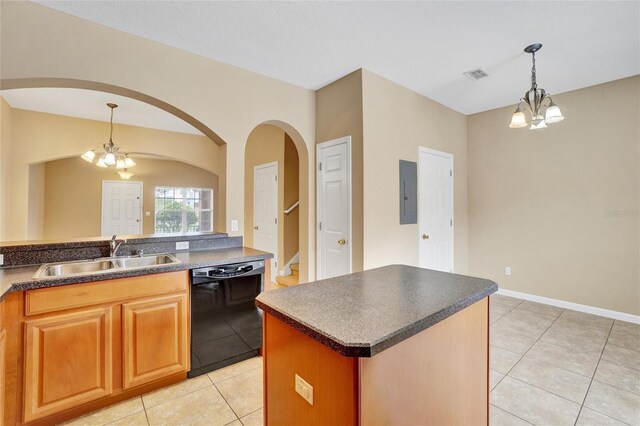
287 280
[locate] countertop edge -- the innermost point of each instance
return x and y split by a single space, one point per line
81 279
386 342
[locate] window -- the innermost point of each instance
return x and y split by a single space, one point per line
183 210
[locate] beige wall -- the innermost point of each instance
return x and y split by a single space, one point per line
5 164
73 192
40 137
338 114
291 221
36 202
39 43
541 202
396 121
268 144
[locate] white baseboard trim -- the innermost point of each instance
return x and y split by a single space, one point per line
621 316
287 268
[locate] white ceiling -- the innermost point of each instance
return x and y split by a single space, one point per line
425 46
93 106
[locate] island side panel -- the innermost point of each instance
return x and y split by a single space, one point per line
334 379
439 376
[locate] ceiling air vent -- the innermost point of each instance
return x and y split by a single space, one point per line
476 74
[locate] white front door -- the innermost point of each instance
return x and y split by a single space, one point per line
121 208
435 209
265 211
334 207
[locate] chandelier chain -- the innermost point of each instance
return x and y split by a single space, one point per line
534 83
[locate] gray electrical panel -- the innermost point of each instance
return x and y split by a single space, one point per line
408 192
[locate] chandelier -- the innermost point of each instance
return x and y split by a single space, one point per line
536 102
109 155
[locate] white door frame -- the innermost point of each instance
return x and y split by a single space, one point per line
274 270
141 184
347 140
423 149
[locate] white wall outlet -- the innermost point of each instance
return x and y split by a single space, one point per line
507 271
1 259
182 245
234 225
147 213
304 389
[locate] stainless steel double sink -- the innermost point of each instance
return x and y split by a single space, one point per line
109 264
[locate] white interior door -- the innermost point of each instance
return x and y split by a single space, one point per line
435 209
334 207
265 211
121 207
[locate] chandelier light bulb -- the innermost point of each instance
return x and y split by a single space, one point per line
125 174
518 120
538 124
128 162
110 159
553 114
100 162
120 164
88 156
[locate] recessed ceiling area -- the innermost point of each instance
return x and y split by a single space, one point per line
425 46
92 105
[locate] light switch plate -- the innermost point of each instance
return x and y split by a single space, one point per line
1 259
304 389
147 213
234 225
182 245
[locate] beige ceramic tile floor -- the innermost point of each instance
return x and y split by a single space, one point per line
549 366
229 396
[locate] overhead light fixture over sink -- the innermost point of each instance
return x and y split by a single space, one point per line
108 155
536 102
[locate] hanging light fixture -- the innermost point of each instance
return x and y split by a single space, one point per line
109 155
542 110
125 174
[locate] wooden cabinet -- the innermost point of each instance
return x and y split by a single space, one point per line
155 339
3 369
90 345
68 361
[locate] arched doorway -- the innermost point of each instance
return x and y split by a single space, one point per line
64 139
276 199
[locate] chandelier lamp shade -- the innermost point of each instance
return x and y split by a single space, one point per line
109 154
536 103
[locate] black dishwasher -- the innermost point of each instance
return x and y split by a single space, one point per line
226 325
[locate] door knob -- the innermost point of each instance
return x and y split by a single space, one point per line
255 227
425 236
342 241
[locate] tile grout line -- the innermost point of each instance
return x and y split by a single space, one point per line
511 414
228 405
528 350
144 408
594 374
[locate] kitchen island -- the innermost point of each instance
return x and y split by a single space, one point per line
393 345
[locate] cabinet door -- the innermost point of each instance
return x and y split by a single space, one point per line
67 361
155 339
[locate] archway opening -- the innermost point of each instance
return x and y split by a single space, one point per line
40 137
276 200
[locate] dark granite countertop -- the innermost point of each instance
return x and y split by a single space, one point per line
21 277
362 314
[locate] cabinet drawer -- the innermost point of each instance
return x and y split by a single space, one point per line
77 295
